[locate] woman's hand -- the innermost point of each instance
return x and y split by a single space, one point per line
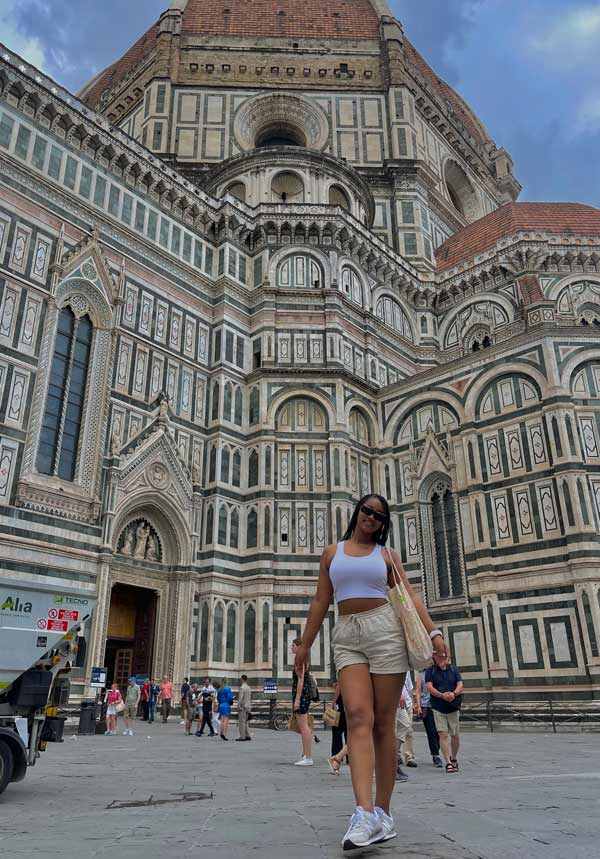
301 660
440 648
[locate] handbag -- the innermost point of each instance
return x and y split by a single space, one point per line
418 643
331 716
294 726
119 706
314 689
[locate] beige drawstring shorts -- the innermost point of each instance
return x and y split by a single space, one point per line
374 638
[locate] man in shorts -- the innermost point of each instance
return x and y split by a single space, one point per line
445 687
132 699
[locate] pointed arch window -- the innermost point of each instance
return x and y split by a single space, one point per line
254 406
443 543
236 468
222 536
267 527
61 425
253 469
265 632
230 635
227 400
351 286
234 530
204 633
252 529
217 648
250 635
210 523
225 457
238 407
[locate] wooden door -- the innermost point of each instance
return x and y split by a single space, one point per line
123 666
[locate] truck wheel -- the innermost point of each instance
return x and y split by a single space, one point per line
6 765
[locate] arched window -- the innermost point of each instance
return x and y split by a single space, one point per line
210 523
225 457
234 531
265 631
215 401
301 271
212 465
222 535
204 633
217 648
336 467
238 407
267 465
351 286
250 634
254 406
227 397
461 191
237 190
440 516
338 197
287 187
253 468
236 468
252 529
391 313
359 427
61 426
267 529
230 637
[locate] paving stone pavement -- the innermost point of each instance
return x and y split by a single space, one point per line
518 796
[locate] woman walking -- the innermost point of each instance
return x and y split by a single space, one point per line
339 731
113 701
224 700
301 705
370 656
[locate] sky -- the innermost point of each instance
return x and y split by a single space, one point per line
529 69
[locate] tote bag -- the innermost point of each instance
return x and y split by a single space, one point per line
418 642
331 716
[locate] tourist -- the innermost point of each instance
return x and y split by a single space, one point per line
370 656
244 708
445 688
207 699
339 731
145 699
404 729
189 707
113 701
425 713
185 688
215 711
335 761
153 697
301 700
132 699
224 700
166 697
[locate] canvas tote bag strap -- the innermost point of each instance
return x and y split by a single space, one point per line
395 573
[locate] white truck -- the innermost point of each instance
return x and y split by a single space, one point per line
39 637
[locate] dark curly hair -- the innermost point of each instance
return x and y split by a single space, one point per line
381 535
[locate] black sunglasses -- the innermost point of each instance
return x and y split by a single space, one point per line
368 511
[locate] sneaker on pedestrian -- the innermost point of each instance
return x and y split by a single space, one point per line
387 824
411 762
365 828
126 732
108 733
401 775
437 762
304 762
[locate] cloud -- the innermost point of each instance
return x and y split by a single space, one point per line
570 39
27 46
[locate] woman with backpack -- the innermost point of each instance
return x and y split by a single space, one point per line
224 700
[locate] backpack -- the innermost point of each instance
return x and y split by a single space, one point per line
313 688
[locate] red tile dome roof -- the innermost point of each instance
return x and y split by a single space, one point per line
572 219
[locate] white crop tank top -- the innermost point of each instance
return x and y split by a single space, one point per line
358 578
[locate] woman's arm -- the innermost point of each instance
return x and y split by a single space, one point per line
318 609
438 643
299 689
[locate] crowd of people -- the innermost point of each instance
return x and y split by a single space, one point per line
375 699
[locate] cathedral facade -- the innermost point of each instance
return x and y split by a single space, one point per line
265 263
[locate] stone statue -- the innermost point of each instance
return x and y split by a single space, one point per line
127 547
141 539
115 441
152 556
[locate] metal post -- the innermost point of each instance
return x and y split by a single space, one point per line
552 719
489 717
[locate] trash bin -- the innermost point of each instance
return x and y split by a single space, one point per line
53 729
87 718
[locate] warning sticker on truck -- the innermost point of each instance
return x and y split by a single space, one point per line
57 626
68 614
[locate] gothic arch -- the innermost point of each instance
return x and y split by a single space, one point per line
279 400
574 363
166 520
85 297
400 413
320 258
517 368
570 280
506 307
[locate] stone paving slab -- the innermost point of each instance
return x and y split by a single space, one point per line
518 796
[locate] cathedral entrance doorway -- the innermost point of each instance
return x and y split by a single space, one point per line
131 632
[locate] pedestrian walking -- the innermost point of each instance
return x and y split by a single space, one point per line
166 697
183 694
335 761
339 731
404 727
301 700
145 700
114 703
132 700
425 713
225 701
207 699
244 709
216 721
153 696
189 708
371 658
445 688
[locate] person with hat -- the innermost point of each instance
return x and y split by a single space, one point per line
132 699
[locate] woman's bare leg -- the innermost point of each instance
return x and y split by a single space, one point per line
306 734
387 689
357 693
224 725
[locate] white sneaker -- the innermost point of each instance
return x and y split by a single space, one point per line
108 733
387 824
365 828
131 732
126 732
304 762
